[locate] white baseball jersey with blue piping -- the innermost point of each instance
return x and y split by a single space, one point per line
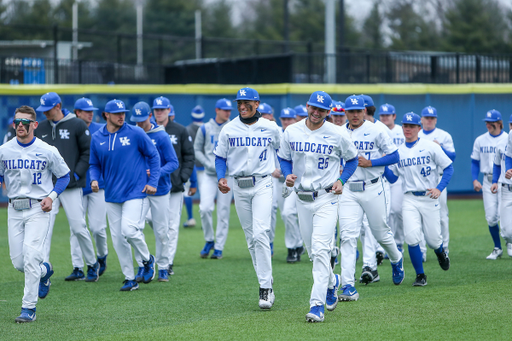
508 151
382 126
397 135
484 150
504 192
499 159
443 137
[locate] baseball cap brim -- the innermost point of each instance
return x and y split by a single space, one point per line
225 108
87 109
117 111
138 118
337 113
45 107
160 107
491 119
319 105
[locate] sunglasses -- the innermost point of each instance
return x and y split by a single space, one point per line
24 121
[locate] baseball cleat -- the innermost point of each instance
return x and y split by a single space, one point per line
300 251
496 253
292 256
27 315
205 252
421 280
444 260
190 223
379 255
163 276
398 271
45 283
509 249
316 314
217 254
149 270
76 275
331 301
369 276
139 278
400 248
170 270
103 264
93 273
129 286
349 293
267 298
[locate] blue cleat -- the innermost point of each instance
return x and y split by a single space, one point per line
271 249
349 293
129 286
316 314
93 273
331 301
149 270
357 255
44 283
163 276
205 252
398 271
103 264
400 248
27 315
217 254
139 278
76 275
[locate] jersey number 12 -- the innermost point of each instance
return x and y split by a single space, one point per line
37 179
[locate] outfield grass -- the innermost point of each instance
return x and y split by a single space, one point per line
218 299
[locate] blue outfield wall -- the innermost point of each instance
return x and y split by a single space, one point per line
460 108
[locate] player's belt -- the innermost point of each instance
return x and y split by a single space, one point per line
248 181
418 194
20 204
507 186
310 196
360 186
488 176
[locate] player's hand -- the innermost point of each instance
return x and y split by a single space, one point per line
148 172
364 162
223 186
276 174
192 191
434 193
508 174
149 190
290 180
477 186
337 188
46 204
494 188
94 186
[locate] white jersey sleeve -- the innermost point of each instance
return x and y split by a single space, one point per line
484 150
508 151
499 159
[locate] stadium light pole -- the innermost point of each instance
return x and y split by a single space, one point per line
139 32
199 34
330 41
75 29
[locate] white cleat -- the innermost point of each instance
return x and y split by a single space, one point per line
267 298
496 253
509 249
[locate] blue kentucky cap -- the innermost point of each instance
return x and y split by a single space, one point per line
265 108
338 109
368 101
320 99
197 113
288 113
84 104
429 112
171 113
161 103
140 112
224 104
115 106
301 110
354 102
492 116
49 101
247 94
411 118
387 109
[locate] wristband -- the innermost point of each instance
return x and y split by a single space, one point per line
53 195
341 181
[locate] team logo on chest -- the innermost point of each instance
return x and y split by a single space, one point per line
174 139
64 134
125 141
154 142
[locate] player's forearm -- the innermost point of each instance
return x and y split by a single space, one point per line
171 163
154 169
61 184
475 169
220 167
386 160
496 171
451 155
348 170
95 172
508 162
447 175
286 166
390 176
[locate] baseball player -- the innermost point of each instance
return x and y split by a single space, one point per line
266 111
444 139
247 145
310 155
420 160
301 112
504 191
338 114
119 153
93 203
184 148
364 193
26 166
206 140
482 160
71 137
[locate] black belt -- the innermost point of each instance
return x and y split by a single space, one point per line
508 186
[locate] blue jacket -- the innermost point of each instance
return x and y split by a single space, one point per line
93 127
120 158
168 159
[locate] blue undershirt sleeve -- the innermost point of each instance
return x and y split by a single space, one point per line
386 160
475 169
496 171
348 170
447 175
193 178
220 167
61 184
286 166
390 176
451 155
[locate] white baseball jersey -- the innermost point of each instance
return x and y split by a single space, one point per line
371 142
484 150
499 159
441 136
27 171
397 135
508 151
419 165
383 127
249 149
316 154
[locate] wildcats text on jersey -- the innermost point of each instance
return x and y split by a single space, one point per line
24 164
311 147
364 145
488 149
414 161
249 141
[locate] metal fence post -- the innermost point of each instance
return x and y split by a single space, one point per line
310 61
55 57
119 55
433 69
477 69
457 68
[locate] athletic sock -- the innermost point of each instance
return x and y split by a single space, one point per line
416 258
43 270
188 205
440 249
495 234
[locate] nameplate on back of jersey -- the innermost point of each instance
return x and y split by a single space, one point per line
246 181
21 204
356 186
306 196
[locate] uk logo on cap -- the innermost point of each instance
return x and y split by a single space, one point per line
493 116
411 118
320 99
247 94
354 102
429 112
140 112
387 109
161 103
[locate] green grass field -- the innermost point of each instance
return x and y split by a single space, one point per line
218 299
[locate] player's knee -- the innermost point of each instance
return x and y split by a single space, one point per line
18 263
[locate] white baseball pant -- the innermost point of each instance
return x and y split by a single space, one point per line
395 215
27 231
253 206
317 221
276 192
491 203
422 214
208 191
71 200
506 212
445 220
158 218
175 207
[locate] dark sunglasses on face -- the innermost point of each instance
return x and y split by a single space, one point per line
24 121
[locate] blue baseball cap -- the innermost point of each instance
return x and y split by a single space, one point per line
429 112
387 109
115 106
354 102
368 101
338 108
411 118
510 119
140 112
288 113
320 99
84 104
161 103
48 101
492 116
247 94
197 113
171 113
301 110
265 108
224 104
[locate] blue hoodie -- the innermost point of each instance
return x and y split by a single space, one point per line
168 159
120 158
93 127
